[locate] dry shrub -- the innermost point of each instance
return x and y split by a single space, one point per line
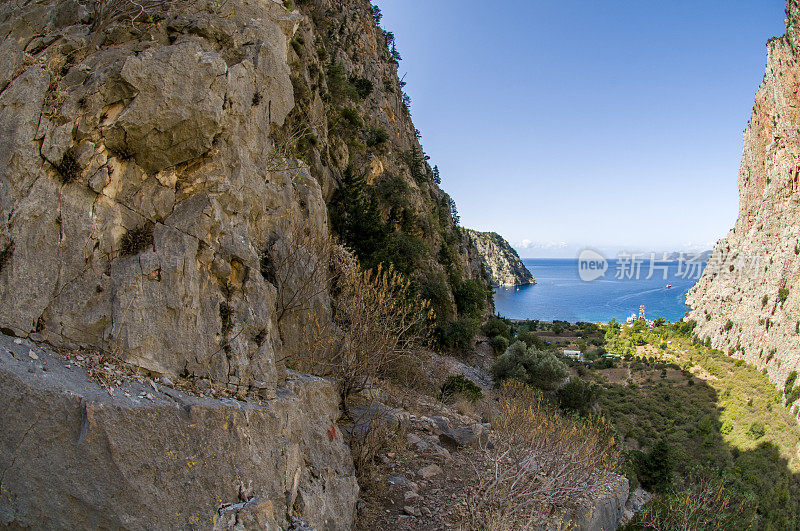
704 503
69 169
372 436
464 406
296 261
376 328
540 461
354 325
136 240
289 143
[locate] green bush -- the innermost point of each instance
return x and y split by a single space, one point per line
363 86
461 332
499 344
532 340
529 365
434 287
461 385
728 325
338 84
356 217
496 327
655 469
376 136
604 363
757 430
470 296
578 395
351 119
405 252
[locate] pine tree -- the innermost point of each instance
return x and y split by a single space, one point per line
356 215
454 211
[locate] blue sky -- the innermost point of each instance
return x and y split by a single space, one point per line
606 123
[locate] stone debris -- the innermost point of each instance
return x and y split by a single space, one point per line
412 511
471 435
410 495
401 481
429 471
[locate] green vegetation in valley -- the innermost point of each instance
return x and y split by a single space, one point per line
706 432
716 421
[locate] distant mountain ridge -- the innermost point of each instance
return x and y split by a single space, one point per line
502 262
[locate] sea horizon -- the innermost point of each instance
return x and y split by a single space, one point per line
560 293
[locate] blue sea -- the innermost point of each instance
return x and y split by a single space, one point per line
560 294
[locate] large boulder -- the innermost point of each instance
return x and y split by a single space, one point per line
73 453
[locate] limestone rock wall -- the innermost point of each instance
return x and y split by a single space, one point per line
500 260
139 194
136 196
74 455
748 300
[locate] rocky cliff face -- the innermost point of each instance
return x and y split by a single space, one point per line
352 126
150 155
137 201
500 260
748 300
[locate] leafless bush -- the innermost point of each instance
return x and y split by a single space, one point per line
288 143
373 436
539 460
297 261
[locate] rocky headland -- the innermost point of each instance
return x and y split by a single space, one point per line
501 261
